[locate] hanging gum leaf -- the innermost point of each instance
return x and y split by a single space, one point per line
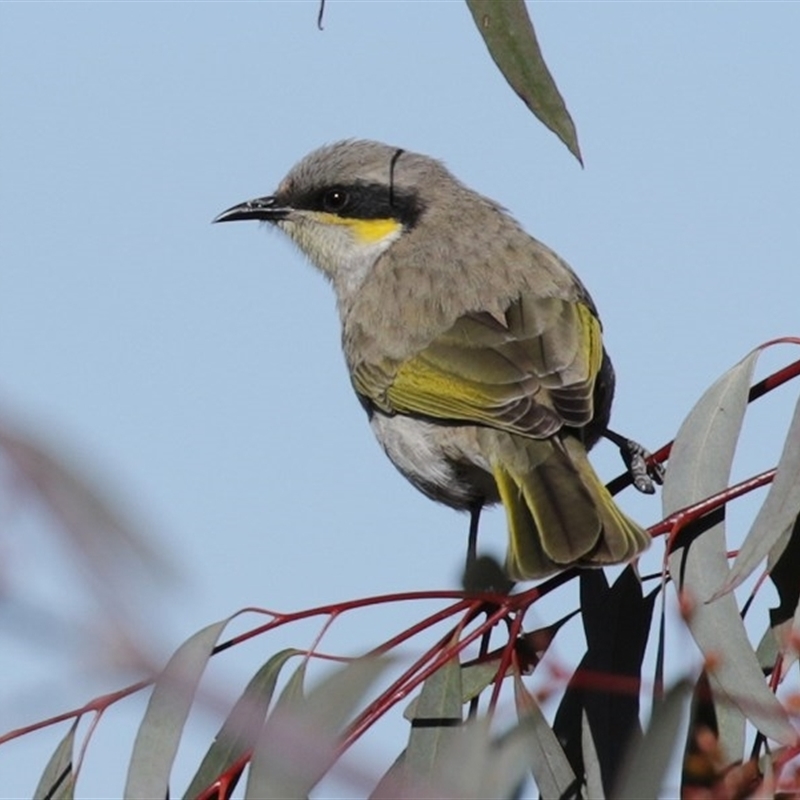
508 33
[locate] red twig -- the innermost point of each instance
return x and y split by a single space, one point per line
505 660
99 704
677 521
757 390
497 608
224 785
417 673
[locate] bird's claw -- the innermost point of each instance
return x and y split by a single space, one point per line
644 472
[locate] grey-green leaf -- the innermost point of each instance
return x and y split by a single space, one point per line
460 768
512 758
160 731
272 772
646 764
392 781
591 762
767 650
702 454
58 780
436 719
508 33
548 762
473 767
783 564
777 514
239 732
780 638
474 679
699 466
298 742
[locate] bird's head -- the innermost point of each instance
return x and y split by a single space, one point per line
346 203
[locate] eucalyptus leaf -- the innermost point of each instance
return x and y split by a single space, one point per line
160 731
616 623
511 760
275 769
591 763
477 677
392 781
298 742
699 466
471 766
460 765
508 32
777 514
785 635
58 779
731 722
474 679
737 678
784 565
436 719
238 734
767 650
646 764
474 767
702 453
549 765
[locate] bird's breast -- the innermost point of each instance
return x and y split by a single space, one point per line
442 461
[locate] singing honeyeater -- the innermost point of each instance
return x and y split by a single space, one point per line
475 350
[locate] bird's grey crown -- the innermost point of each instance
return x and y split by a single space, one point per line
381 181
363 161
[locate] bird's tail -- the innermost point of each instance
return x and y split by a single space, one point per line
559 512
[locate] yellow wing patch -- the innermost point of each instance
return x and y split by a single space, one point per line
418 387
592 339
530 378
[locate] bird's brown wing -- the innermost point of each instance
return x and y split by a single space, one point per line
530 372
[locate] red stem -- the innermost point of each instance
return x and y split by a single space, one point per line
757 390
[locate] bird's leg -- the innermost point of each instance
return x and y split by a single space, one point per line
472 541
482 574
644 475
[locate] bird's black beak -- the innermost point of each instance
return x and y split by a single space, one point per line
263 208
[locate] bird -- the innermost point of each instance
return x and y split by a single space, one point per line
475 350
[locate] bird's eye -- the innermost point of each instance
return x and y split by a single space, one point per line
334 200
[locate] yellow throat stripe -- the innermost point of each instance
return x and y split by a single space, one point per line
366 231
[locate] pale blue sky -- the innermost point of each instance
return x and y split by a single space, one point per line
197 370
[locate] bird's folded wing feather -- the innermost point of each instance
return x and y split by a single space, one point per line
530 372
